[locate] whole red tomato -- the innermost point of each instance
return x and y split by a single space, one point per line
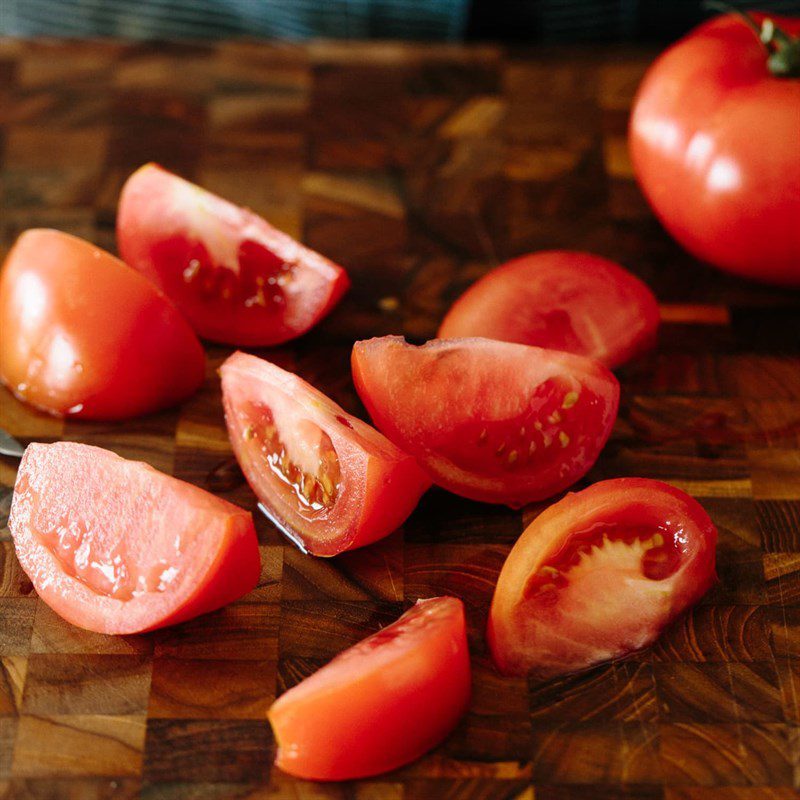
715 143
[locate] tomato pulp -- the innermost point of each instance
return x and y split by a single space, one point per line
383 702
330 481
237 279
576 302
598 575
86 336
493 421
114 546
714 139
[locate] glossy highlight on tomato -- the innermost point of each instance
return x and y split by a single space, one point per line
381 704
562 300
84 335
115 546
237 279
328 480
714 140
598 575
489 420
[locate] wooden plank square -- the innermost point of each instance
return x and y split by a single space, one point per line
68 683
12 682
372 573
13 581
719 692
204 689
270 585
718 633
730 793
466 571
52 634
78 745
782 576
779 525
775 474
729 754
207 750
315 630
624 691
16 624
595 753
8 732
243 631
73 789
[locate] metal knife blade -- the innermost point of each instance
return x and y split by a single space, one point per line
9 446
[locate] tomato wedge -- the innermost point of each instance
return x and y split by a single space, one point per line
237 279
489 420
383 702
115 546
86 336
576 302
598 575
329 481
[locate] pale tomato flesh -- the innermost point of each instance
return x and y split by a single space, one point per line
598 575
489 420
237 279
328 480
116 547
381 704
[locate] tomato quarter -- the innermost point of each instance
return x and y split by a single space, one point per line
598 575
116 547
383 702
576 302
84 335
504 423
330 481
236 278
715 143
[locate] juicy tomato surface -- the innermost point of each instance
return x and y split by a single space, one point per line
236 278
84 335
329 481
598 575
493 421
714 139
115 546
576 302
382 703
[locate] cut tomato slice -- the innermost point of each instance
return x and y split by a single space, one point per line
598 575
115 546
489 420
236 278
82 334
329 481
576 302
383 702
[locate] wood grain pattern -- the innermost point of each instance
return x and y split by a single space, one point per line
418 167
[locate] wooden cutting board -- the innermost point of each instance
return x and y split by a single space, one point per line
418 168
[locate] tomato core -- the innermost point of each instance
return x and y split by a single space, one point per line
312 473
652 549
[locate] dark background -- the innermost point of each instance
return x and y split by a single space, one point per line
444 20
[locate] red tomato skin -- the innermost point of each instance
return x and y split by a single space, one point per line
382 484
556 643
407 391
383 715
560 299
714 140
159 212
67 484
86 336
